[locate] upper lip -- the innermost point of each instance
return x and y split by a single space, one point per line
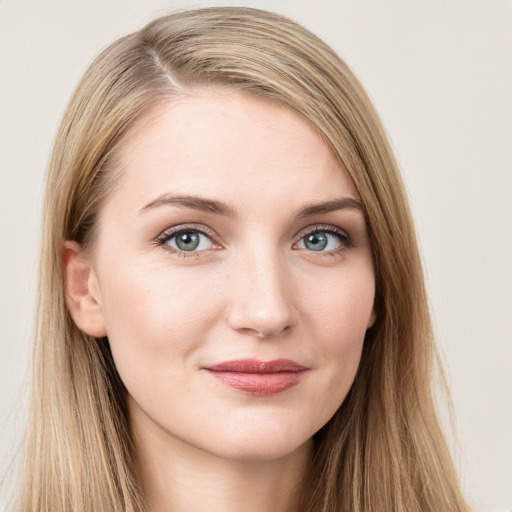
256 366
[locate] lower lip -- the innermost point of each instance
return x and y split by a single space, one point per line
258 383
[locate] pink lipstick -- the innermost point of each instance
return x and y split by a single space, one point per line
258 377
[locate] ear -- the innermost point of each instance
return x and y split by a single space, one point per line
373 317
83 295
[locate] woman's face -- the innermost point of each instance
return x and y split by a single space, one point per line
233 239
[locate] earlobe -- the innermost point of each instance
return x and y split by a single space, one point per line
373 317
83 297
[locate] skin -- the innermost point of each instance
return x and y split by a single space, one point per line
252 289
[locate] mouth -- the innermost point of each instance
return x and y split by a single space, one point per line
258 377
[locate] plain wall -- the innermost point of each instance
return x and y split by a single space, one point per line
440 74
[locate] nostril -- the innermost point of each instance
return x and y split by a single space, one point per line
264 331
264 328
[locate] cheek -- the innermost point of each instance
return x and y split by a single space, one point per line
337 314
340 309
155 317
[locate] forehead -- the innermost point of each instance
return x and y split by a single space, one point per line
229 144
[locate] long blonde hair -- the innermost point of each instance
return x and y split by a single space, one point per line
383 450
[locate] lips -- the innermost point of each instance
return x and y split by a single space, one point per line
258 377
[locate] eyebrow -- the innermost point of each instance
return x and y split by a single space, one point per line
196 203
330 206
221 208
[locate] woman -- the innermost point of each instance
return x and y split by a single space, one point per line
232 311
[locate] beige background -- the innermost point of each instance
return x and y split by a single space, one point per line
440 73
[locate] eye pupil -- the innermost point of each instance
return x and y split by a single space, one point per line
187 240
316 241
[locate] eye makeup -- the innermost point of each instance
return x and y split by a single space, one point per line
196 237
189 240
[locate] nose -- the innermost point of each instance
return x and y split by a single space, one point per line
261 295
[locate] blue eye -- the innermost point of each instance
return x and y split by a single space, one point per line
187 240
322 240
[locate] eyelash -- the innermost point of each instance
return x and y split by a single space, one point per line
162 239
345 240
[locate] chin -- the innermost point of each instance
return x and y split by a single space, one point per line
262 444
261 451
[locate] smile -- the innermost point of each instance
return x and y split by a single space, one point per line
258 377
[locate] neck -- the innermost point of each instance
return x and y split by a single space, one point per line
178 477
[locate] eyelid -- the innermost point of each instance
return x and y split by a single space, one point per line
200 228
345 240
169 233
329 228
